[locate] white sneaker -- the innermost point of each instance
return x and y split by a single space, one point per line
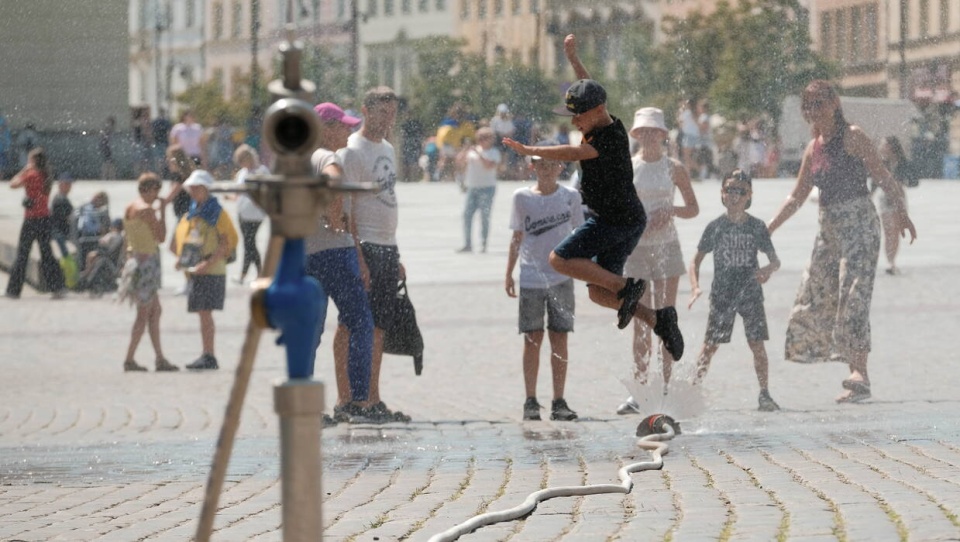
628 407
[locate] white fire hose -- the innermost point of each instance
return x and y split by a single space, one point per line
653 432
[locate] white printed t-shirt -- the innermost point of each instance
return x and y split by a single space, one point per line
364 161
544 221
325 238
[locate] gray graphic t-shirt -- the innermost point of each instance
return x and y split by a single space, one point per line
735 263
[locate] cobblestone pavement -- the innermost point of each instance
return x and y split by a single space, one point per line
88 452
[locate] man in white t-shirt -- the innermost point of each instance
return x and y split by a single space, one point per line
370 158
542 216
187 133
480 182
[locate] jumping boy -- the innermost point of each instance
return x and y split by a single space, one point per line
541 217
734 238
597 251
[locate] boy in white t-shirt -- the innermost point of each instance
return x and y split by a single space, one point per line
480 181
541 217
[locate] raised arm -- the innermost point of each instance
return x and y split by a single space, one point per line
570 49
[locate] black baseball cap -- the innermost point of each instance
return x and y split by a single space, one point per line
581 97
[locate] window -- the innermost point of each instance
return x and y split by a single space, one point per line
424 6
944 16
389 71
371 8
481 9
872 27
341 9
218 76
841 43
856 28
388 8
236 29
217 21
441 5
498 8
826 34
924 18
465 9
534 6
515 7
406 7
191 13
236 82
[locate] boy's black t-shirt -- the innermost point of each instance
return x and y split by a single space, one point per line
60 211
735 263
607 180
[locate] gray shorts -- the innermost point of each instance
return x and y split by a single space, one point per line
558 303
723 313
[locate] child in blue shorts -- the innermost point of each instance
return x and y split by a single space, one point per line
597 251
735 238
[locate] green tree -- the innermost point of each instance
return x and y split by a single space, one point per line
329 69
208 103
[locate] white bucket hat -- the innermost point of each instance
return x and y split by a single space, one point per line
648 117
199 178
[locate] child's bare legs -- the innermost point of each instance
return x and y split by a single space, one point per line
531 361
136 333
665 295
703 361
558 361
207 331
760 363
153 325
642 343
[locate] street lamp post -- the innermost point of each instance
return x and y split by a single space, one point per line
254 45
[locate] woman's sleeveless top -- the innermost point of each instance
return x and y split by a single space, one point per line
839 175
654 184
139 237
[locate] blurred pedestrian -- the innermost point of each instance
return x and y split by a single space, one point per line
368 158
204 239
108 167
36 182
249 214
830 320
596 252
657 258
333 258
181 166
93 222
6 144
895 160
689 136
541 217
145 226
61 213
735 238
160 139
187 134
411 143
453 130
26 140
480 180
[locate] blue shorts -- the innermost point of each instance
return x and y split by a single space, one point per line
607 244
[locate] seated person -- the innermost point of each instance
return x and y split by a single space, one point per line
102 266
92 222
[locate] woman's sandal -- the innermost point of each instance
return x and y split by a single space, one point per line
133 366
857 391
164 365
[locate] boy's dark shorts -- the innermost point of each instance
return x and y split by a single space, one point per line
723 312
206 293
383 262
607 244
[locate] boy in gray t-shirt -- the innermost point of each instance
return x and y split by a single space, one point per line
735 238
542 216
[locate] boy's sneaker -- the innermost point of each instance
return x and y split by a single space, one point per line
204 362
351 413
668 330
561 412
531 409
630 294
629 406
767 404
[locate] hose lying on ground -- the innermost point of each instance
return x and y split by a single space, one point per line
652 433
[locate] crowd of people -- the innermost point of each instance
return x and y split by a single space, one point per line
615 231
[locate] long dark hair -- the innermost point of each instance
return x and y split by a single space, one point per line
38 156
817 91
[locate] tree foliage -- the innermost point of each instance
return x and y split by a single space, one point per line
208 102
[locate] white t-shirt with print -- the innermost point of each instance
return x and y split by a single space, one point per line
477 174
544 221
188 135
364 161
325 238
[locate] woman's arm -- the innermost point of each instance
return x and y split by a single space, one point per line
681 179
799 194
859 145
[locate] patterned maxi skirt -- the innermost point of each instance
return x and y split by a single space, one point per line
140 278
831 315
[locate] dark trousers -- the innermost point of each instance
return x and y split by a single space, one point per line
250 253
39 230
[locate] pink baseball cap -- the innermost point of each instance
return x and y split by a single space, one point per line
330 111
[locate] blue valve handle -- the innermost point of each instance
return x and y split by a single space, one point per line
293 306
